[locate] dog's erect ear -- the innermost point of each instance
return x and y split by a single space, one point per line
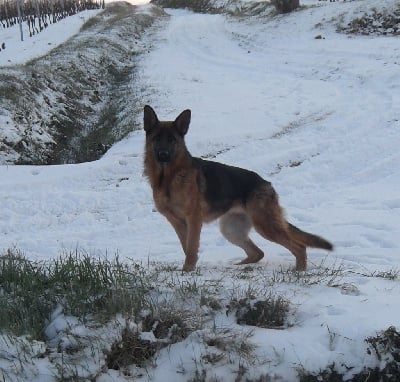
150 119
182 122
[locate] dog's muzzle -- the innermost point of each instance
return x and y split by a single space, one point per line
163 156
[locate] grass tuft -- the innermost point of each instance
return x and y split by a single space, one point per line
271 312
391 274
168 323
229 344
321 274
131 349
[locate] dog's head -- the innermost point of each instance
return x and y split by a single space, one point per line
165 137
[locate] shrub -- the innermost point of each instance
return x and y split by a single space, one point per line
376 23
285 6
194 5
386 346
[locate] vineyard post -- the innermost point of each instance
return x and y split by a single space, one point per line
19 2
6 12
38 14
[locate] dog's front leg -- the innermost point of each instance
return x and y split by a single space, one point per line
188 233
179 227
194 224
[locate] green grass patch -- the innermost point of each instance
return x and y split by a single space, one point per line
83 285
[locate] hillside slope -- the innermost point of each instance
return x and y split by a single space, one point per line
71 105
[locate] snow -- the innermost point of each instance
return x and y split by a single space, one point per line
265 95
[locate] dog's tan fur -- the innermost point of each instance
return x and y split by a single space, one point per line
190 191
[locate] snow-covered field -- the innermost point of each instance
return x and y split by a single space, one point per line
18 52
319 118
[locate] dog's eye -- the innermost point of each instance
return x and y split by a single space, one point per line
171 139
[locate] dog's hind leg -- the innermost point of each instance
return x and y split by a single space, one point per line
268 220
277 232
236 227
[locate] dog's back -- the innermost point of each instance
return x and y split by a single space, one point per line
225 186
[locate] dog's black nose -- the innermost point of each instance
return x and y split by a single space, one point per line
163 156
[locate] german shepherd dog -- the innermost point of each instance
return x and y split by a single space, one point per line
190 191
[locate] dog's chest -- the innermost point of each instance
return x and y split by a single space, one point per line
176 193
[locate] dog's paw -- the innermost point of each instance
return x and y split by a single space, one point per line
250 260
187 267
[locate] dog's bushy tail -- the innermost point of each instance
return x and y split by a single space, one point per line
309 239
